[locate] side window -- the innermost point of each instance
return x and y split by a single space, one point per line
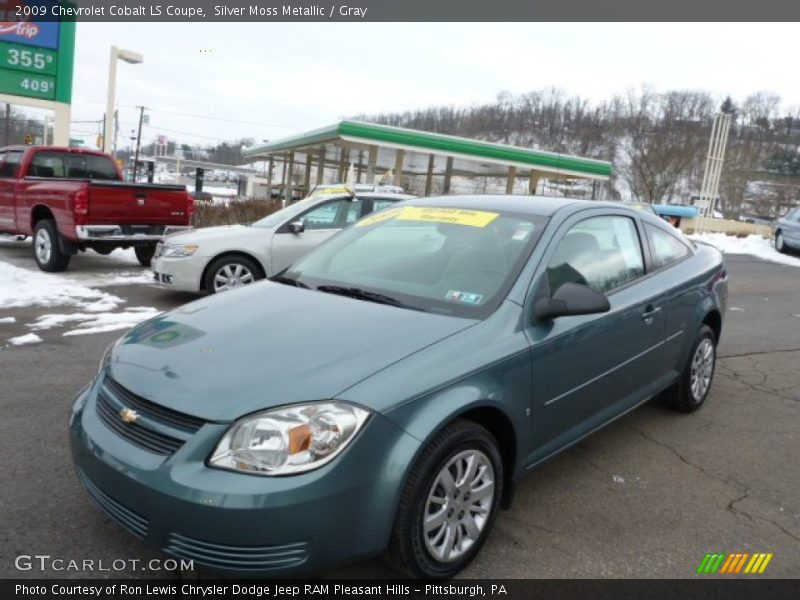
46 164
331 215
601 252
11 164
381 203
665 248
353 211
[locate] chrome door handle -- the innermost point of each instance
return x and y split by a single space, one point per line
649 314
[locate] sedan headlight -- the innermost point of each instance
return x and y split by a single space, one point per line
288 440
178 250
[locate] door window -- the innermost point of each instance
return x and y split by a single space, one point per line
381 203
601 252
332 215
665 248
11 164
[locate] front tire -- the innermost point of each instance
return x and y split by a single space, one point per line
691 391
144 254
47 249
449 503
231 272
780 243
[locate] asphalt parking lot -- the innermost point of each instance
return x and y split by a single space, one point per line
646 497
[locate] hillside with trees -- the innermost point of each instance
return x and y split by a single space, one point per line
657 141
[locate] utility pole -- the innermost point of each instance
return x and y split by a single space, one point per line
8 123
116 131
138 142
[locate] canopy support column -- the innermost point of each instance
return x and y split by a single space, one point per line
512 177
321 166
429 175
359 165
372 162
270 170
307 174
533 182
398 166
448 174
341 173
287 190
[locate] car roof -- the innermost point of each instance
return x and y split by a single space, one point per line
542 206
321 195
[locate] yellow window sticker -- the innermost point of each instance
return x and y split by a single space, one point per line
456 216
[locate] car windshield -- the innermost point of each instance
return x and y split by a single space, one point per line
285 214
436 259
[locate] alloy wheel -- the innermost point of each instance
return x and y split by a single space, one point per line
458 505
43 246
702 369
232 276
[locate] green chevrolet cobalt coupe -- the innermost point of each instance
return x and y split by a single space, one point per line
385 393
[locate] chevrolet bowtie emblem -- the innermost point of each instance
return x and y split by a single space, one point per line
128 415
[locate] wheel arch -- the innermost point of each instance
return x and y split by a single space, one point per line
231 253
40 212
713 319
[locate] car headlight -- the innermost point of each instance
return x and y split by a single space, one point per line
290 439
178 250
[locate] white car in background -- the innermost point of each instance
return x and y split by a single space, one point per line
216 259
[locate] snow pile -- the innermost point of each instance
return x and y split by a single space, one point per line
24 340
6 320
95 322
754 245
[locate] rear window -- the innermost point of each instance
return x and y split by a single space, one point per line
69 165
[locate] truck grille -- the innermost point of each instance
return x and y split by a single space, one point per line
112 399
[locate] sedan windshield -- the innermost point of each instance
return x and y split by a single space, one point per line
436 259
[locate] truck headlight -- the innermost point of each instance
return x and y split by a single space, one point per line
178 250
290 439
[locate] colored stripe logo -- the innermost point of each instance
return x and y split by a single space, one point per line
732 564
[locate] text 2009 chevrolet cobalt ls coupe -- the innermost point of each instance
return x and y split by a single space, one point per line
385 393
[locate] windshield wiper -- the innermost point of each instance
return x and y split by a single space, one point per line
359 294
288 281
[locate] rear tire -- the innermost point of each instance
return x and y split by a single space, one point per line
144 254
691 391
449 503
780 243
231 272
47 248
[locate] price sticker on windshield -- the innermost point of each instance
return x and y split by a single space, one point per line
454 216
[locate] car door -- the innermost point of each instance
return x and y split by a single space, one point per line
9 162
319 223
587 369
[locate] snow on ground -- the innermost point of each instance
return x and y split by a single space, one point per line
24 340
84 309
754 245
25 287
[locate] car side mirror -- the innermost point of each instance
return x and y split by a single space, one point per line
570 299
297 227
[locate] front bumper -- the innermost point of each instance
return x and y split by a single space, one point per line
244 524
126 233
184 274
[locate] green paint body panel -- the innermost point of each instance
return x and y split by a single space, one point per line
66 61
268 345
440 144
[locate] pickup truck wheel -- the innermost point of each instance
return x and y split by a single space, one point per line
144 254
46 248
691 390
231 272
449 503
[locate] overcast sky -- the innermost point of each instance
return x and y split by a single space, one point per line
285 78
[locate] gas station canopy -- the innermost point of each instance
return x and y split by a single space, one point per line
367 150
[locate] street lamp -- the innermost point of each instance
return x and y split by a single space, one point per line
129 57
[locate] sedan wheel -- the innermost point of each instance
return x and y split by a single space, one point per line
691 390
458 506
780 245
448 504
230 273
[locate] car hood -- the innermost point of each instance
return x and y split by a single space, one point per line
266 345
197 236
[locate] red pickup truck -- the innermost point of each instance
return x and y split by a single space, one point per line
71 199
